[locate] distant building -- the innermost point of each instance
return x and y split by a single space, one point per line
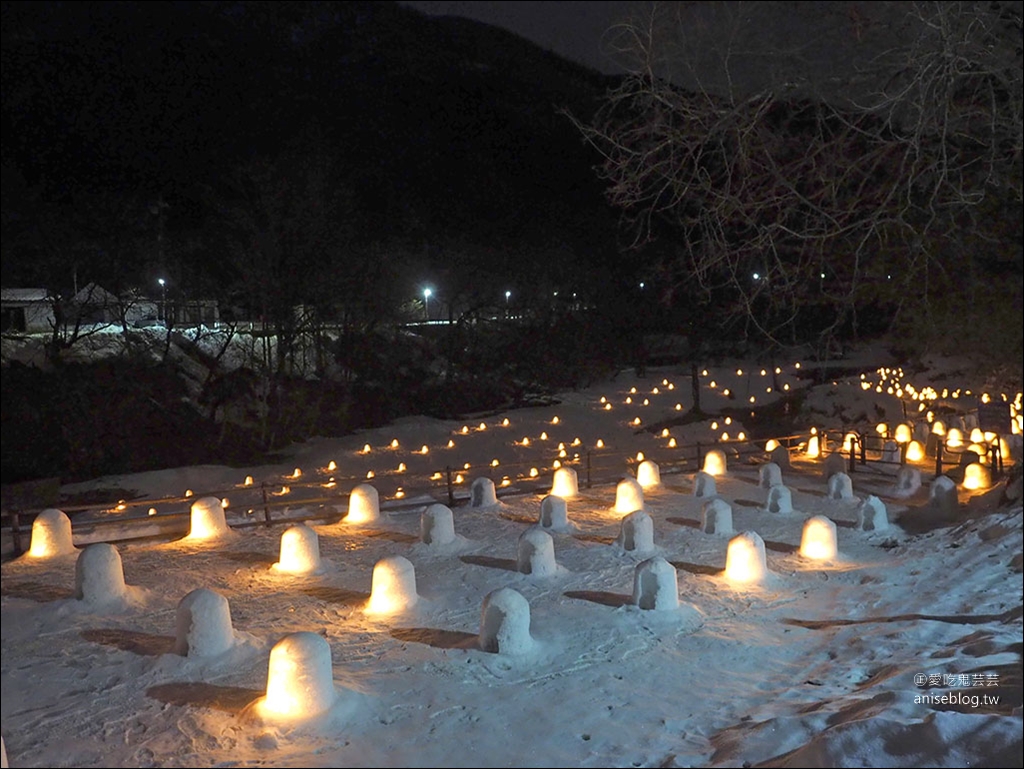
96 305
28 310
194 312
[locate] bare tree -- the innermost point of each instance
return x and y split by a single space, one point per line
827 156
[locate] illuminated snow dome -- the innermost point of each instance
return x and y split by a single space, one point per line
629 496
207 520
745 560
715 462
300 551
203 625
363 505
976 476
565 484
300 680
648 474
51 535
819 541
394 586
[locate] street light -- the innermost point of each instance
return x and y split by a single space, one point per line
507 295
427 293
163 299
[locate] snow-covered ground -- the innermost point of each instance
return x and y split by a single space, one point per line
903 650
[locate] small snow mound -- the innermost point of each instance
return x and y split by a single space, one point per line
908 481
840 487
872 515
636 533
203 624
437 525
769 474
704 485
99 576
505 623
554 513
716 517
536 553
655 585
482 493
780 500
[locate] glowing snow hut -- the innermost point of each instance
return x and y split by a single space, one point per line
648 474
629 496
300 678
51 535
819 540
745 559
393 588
714 462
207 520
300 551
564 483
363 505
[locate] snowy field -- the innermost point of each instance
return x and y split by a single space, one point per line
903 649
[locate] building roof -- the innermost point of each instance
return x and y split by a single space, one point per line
23 295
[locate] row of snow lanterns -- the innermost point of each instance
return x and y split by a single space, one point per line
299 678
752 399
890 381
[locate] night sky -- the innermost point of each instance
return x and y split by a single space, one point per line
574 30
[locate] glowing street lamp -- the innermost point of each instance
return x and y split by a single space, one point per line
427 293
508 294
163 299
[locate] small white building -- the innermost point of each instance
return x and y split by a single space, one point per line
26 309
